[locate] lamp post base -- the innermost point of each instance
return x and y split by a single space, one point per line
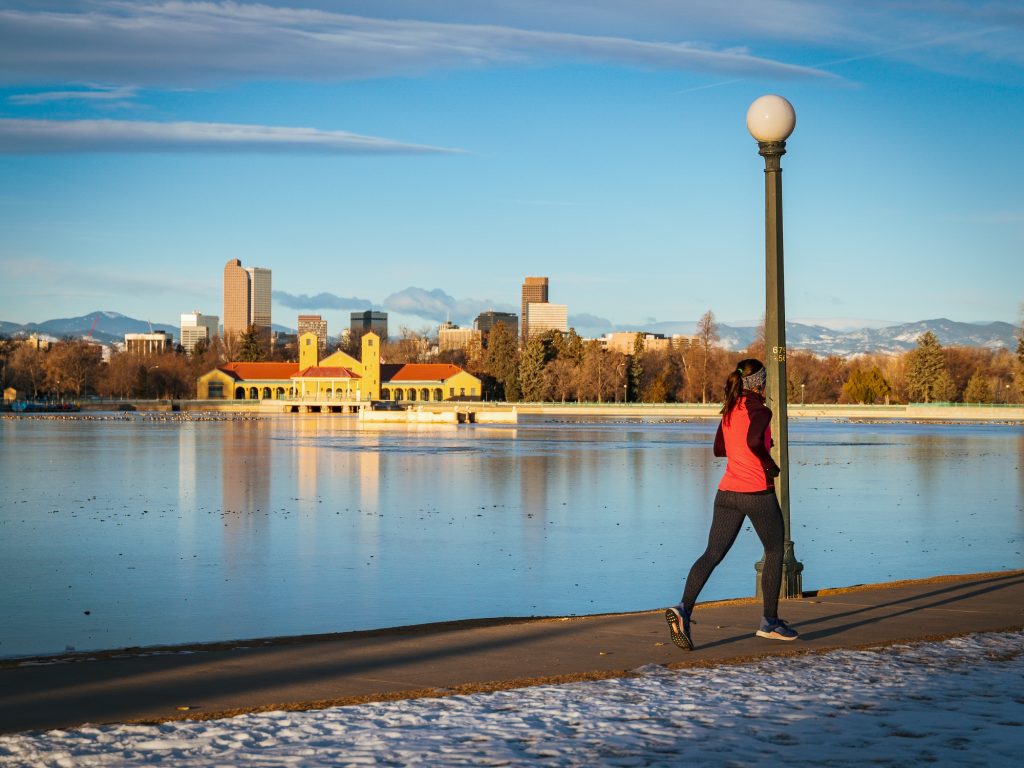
792 574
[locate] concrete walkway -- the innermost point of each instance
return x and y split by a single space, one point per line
464 657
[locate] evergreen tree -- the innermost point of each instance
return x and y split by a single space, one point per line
531 371
925 368
866 387
944 390
636 368
572 347
979 389
200 347
502 362
251 348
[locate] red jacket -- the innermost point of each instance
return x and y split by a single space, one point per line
745 436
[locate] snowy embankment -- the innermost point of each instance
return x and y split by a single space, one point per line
956 702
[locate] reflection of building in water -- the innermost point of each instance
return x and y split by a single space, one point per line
306 457
534 474
245 490
369 482
188 461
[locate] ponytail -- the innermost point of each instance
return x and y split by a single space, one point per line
734 384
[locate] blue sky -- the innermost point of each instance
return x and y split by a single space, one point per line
361 150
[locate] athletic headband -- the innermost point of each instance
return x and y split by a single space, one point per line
755 380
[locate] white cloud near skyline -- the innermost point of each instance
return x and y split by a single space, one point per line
321 300
182 43
56 136
438 306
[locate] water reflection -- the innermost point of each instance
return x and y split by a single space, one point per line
245 496
315 523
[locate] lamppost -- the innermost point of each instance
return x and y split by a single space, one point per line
770 120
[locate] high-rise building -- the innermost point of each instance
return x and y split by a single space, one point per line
259 297
361 322
451 337
195 327
535 291
542 316
247 295
314 324
485 321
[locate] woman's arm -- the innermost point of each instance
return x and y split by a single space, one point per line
720 442
760 422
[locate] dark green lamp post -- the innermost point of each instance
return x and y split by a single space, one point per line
770 120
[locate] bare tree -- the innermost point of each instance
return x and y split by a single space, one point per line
28 368
707 337
563 377
72 367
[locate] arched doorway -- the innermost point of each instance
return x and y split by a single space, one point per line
239 393
439 394
254 393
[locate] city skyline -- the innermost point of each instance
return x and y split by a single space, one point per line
422 160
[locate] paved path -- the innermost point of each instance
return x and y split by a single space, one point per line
464 657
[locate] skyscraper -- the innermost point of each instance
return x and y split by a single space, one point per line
485 321
314 324
361 322
246 298
544 316
196 326
535 291
259 297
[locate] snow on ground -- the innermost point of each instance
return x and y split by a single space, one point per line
957 702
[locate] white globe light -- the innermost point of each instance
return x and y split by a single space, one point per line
771 118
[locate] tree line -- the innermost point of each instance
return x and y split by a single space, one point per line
552 367
564 368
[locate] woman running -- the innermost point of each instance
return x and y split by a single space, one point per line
747 490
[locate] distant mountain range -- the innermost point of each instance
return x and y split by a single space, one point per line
846 343
111 327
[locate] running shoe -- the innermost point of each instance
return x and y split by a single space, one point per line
678 619
776 629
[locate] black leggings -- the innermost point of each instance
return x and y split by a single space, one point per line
730 509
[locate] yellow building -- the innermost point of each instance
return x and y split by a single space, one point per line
339 376
424 382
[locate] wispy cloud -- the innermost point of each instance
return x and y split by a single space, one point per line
184 43
100 94
54 136
73 280
321 301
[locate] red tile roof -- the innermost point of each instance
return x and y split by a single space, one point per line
260 371
317 372
422 372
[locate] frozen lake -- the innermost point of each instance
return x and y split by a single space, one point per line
138 532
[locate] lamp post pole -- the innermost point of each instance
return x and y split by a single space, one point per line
771 120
